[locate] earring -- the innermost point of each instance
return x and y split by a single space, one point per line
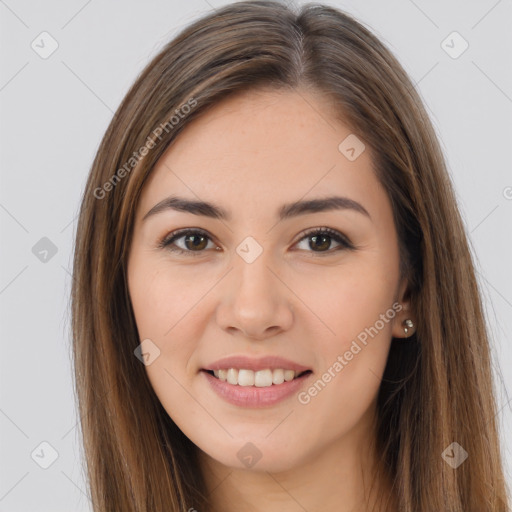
408 325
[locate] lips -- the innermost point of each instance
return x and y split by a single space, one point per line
254 396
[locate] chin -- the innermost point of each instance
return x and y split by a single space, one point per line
256 456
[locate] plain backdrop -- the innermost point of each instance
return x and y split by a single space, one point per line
54 111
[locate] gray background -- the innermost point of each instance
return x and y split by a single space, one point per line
54 112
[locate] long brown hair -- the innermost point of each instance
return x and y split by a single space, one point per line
437 389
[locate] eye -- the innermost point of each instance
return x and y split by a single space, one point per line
322 238
195 241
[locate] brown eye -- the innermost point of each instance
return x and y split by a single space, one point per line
192 242
320 240
195 242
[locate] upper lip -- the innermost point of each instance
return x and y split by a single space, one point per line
255 364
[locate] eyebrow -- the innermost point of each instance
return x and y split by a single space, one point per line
286 211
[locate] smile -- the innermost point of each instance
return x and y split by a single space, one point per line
261 392
260 379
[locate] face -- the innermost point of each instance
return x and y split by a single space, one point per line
318 288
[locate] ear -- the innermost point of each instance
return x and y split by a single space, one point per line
403 298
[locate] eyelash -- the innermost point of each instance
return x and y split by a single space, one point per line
333 234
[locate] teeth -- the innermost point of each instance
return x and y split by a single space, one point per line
289 375
232 376
245 378
278 376
260 378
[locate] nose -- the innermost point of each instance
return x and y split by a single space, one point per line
255 301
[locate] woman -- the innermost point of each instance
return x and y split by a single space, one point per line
274 303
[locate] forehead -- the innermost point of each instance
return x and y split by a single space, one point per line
263 146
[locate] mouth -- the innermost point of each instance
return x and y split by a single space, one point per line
260 378
261 388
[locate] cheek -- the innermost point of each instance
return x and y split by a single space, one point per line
166 312
345 299
157 308
355 306
164 299
352 364
168 305
338 400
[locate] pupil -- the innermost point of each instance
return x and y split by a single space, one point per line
195 236
323 237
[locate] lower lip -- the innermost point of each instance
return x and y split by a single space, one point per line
251 396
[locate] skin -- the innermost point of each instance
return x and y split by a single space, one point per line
307 302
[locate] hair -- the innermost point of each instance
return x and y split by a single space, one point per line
437 388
